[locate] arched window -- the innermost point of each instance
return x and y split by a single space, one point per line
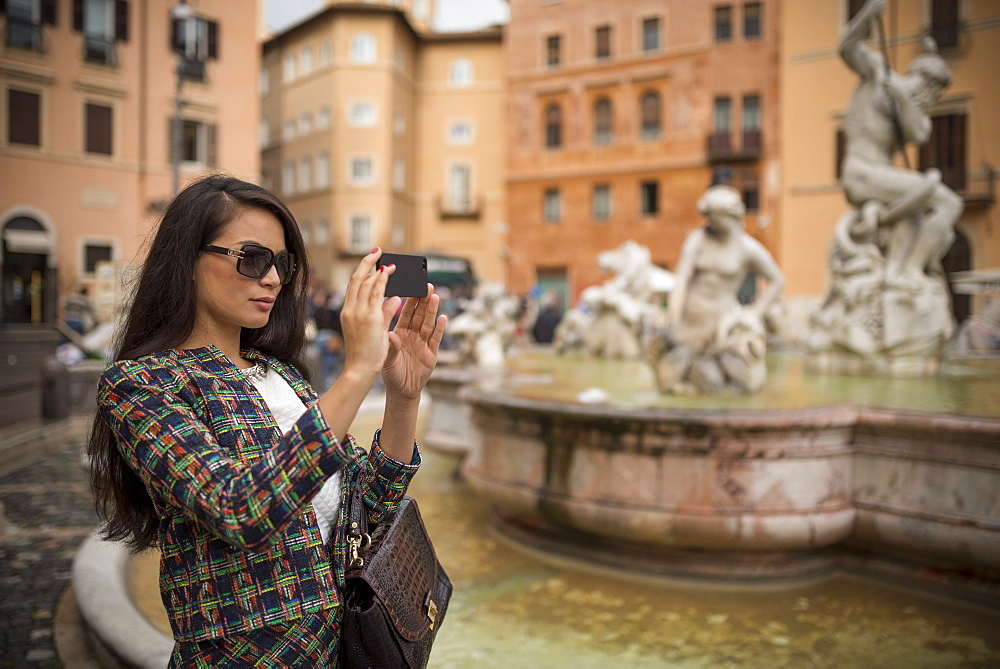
651 113
461 72
553 126
363 48
603 131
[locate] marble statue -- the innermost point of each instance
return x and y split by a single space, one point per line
713 344
485 327
888 306
611 315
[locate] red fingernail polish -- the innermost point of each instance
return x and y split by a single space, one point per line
375 250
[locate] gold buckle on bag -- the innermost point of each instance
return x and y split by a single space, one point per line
356 541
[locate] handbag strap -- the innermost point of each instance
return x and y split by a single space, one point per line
357 521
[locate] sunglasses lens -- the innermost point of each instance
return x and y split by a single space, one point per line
255 261
285 263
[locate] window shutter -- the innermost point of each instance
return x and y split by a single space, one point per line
210 136
78 15
3 6
176 44
121 20
49 12
213 40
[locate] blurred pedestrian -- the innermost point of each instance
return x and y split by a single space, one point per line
544 328
78 312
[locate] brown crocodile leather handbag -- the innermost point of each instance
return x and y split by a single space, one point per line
396 593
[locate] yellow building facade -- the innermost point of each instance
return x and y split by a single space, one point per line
816 87
377 132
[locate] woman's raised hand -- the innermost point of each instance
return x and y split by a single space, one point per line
414 344
365 318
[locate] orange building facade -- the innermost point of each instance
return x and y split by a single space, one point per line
87 101
620 116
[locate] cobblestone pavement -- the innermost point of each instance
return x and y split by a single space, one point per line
48 503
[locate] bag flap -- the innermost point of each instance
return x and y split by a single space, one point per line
403 571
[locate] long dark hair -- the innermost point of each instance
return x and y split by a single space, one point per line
162 316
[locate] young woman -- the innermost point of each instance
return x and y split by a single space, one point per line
210 444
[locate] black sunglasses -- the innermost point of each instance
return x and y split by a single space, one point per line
254 261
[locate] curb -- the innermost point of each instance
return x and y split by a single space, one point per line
101 592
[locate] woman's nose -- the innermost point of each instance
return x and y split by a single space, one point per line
271 278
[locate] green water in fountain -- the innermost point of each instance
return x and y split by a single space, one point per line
970 388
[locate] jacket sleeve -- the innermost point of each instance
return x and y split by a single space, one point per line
385 480
175 455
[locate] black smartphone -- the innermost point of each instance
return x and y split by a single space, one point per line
410 277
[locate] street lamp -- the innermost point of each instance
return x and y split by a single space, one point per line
180 12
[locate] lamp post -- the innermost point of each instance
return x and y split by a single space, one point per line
179 12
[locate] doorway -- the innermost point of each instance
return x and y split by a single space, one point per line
27 288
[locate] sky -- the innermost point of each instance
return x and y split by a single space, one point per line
450 15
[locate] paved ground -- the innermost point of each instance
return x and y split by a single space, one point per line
47 504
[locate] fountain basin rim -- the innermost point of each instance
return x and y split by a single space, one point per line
832 415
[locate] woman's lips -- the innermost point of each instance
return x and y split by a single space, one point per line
263 303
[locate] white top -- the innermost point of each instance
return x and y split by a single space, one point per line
287 408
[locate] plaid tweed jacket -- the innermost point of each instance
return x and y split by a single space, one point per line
240 547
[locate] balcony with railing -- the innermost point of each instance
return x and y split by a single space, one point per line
459 208
976 186
721 147
99 49
22 34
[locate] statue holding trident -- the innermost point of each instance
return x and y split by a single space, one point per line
907 216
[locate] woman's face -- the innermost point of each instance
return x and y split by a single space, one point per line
226 300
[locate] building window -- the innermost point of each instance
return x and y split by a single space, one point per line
24 22
24 124
649 198
651 35
197 39
553 126
399 174
263 134
322 169
603 130
722 116
840 150
361 233
363 48
723 23
751 122
288 69
288 131
461 73
361 171
362 114
102 22
553 56
460 132
601 204
650 110
459 198
602 43
753 20
98 121
305 124
197 142
325 53
322 231
305 173
946 150
751 195
945 23
552 207
323 118
288 178
306 61
95 252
